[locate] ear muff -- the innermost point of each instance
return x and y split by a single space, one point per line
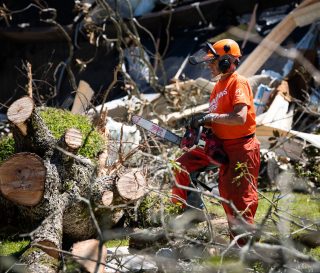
224 63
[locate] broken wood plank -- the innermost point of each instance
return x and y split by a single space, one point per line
204 84
170 119
83 98
303 15
278 115
268 131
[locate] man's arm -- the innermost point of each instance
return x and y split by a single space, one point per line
237 117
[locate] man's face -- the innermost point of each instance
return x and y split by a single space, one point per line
214 67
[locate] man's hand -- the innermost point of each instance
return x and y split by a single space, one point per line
193 122
207 120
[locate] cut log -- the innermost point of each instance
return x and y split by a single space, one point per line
48 236
26 120
131 186
73 139
20 111
91 254
22 179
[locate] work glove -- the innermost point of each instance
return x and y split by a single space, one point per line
194 121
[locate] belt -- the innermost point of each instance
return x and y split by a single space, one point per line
245 137
248 136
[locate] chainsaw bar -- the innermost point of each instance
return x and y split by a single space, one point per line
156 130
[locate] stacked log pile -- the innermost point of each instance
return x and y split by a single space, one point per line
47 183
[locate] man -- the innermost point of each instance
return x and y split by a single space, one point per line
232 119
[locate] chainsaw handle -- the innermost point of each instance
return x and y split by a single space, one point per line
199 132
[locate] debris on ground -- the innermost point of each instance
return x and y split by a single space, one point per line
106 61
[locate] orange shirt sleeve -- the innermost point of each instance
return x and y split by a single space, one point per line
240 92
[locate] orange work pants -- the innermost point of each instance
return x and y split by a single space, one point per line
237 179
190 161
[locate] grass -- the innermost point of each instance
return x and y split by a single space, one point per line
301 208
214 207
117 243
228 264
315 252
298 206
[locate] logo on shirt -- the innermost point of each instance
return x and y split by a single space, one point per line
239 93
214 102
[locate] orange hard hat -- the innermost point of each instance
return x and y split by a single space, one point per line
225 47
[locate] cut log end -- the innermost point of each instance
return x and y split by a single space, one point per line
20 110
107 198
22 179
73 138
49 247
132 185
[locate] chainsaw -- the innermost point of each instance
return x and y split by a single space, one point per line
199 137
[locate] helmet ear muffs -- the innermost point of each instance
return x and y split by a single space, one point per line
224 63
